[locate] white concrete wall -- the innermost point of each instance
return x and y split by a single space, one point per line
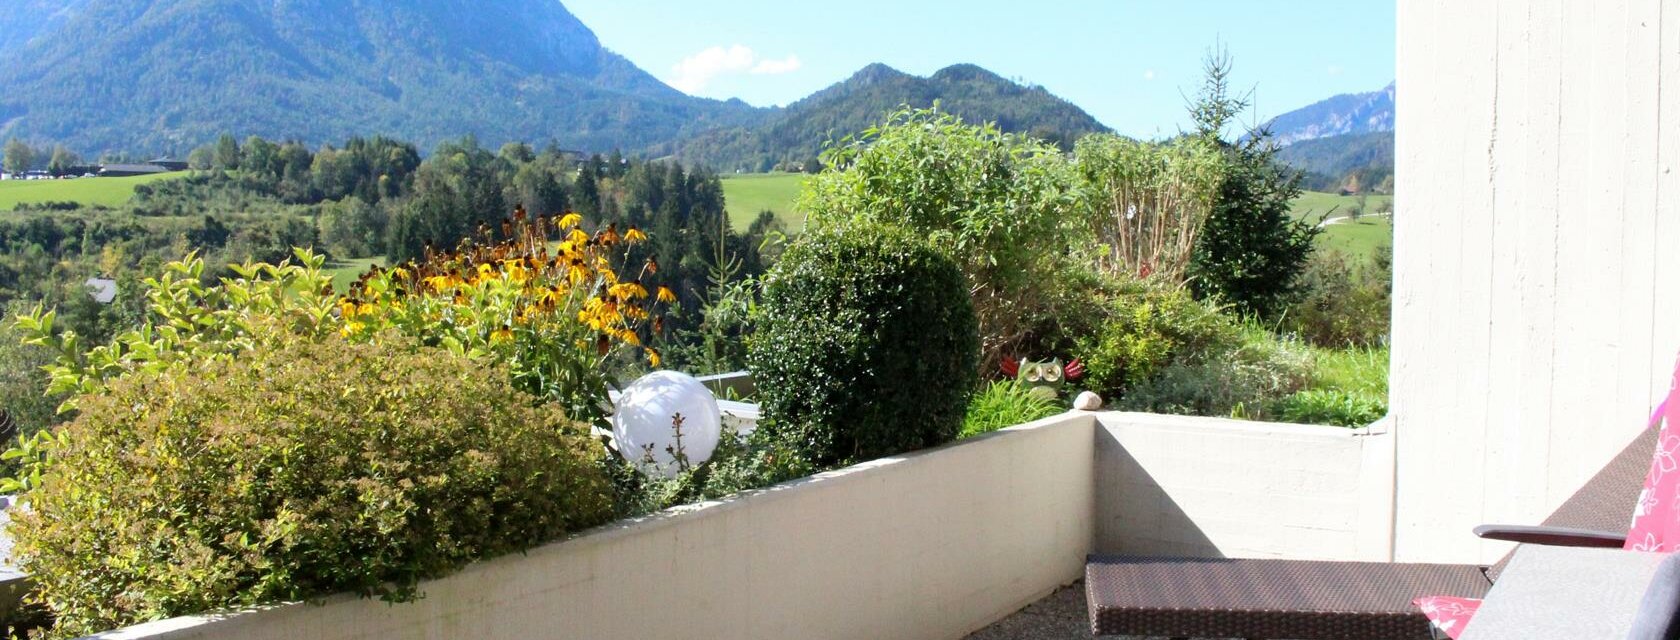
932 545
1538 214
1208 487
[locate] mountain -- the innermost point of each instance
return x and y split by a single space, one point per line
1350 113
1344 142
22 20
166 75
1351 161
797 134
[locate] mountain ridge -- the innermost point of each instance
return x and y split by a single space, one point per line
168 74
163 76
796 134
1344 142
1344 114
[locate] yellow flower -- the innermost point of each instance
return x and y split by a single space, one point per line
347 309
577 272
630 338
666 295
440 284
578 238
570 220
516 271
634 236
503 334
351 328
653 357
628 291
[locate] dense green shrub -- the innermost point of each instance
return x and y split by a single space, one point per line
303 467
1243 379
25 406
866 346
1159 349
1004 404
1002 206
1346 303
1148 326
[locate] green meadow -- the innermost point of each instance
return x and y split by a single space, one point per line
109 192
1358 237
345 272
746 195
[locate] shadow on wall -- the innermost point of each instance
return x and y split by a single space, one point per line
1135 515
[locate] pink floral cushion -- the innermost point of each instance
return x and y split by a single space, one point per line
1656 518
1447 613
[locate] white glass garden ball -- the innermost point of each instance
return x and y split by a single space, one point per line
644 422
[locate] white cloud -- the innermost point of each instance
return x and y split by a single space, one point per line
697 71
769 67
1149 74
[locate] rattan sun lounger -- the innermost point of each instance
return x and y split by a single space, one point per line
1319 600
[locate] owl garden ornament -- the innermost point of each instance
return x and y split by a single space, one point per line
1046 378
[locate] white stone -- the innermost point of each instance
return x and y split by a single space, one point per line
643 422
1087 401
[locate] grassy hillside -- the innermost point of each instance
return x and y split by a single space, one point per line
108 192
1316 204
1358 238
345 272
747 194
1355 237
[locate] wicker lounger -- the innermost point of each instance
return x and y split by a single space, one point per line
1319 600
1297 599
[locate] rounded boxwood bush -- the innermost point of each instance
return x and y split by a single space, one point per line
295 469
867 345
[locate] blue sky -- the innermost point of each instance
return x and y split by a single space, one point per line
1128 62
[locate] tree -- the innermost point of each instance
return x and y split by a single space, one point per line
62 161
202 158
227 153
517 153
1251 251
616 164
19 157
260 157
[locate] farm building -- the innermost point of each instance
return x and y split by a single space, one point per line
125 170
